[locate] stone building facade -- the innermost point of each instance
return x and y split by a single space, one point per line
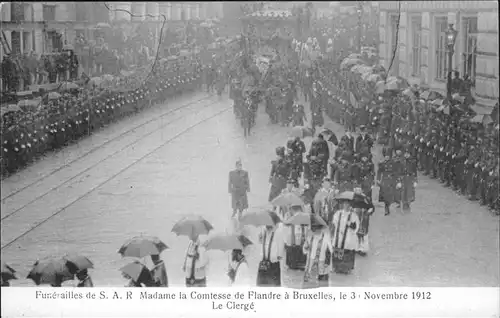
421 53
43 26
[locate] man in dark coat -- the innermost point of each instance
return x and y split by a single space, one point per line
348 141
363 141
238 187
319 148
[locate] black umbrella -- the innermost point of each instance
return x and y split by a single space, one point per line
50 271
7 272
357 200
76 263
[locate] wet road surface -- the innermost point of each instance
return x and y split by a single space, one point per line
92 196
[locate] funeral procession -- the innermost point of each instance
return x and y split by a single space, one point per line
249 144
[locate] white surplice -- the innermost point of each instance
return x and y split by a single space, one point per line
312 247
277 247
200 264
340 219
242 277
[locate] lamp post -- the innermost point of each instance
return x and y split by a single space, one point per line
451 37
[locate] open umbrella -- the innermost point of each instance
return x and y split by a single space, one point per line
355 56
7 272
437 102
287 199
54 95
68 47
260 218
136 271
142 246
102 25
107 77
97 81
76 263
373 78
358 200
66 86
347 63
304 218
227 242
431 95
27 103
364 76
192 226
51 271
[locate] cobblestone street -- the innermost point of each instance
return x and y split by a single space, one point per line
92 196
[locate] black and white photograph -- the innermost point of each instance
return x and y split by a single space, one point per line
250 144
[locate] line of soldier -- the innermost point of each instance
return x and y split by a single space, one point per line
26 136
462 156
449 147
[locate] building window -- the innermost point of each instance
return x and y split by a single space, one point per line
49 12
16 11
81 11
29 15
469 54
441 50
416 34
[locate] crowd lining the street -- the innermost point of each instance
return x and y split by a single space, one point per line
321 198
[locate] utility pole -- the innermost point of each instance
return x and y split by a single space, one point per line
360 24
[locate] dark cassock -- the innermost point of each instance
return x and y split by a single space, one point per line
363 141
269 270
314 172
238 187
344 177
279 174
319 149
348 141
365 173
296 149
159 274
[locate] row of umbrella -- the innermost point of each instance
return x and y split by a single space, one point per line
57 270
50 270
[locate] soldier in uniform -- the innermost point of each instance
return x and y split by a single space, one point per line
408 178
474 170
492 186
316 109
280 171
365 172
298 115
386 179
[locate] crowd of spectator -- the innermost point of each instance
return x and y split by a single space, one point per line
18 72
